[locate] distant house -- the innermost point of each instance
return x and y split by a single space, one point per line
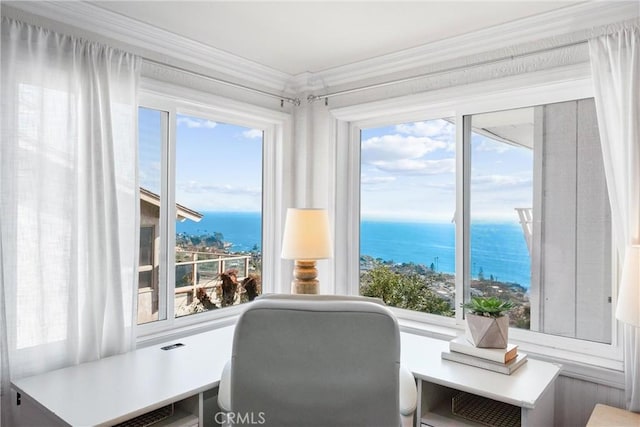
150 251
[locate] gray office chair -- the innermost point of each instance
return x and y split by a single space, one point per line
317 361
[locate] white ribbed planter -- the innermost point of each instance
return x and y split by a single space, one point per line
488 332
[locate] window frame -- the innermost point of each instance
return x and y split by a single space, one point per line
145 268
275 125
545 87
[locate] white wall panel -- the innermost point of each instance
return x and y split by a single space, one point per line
593 243
558 219
575 399
575 225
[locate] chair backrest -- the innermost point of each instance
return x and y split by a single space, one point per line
316 362
310 297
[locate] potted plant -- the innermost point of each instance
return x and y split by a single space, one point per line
487 322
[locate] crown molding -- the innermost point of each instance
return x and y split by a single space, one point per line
561 22
397 109
145 37
576 20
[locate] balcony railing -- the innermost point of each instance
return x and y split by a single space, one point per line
203 270
526 221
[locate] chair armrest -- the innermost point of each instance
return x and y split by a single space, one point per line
408 392
224 389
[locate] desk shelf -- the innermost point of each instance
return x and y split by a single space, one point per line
530 389
180 418
435 408
485 411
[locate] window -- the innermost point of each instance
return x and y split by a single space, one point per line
201 211
152 142
218 225
408 200
533 223
146 265
501 200
540 219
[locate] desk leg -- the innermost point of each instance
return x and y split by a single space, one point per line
544 412
418 415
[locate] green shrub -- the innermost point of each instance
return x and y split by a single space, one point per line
409 291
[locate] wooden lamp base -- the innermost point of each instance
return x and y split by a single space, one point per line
305 279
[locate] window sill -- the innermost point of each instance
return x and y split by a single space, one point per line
188 325
600 369
576 363
441 332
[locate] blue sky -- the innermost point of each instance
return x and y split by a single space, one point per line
408 170
501 179
218 165
408 173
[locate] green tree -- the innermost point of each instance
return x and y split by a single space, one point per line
409 291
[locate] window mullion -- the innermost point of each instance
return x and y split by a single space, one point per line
162 233
462 218
170 215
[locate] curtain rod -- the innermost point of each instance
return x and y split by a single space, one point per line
294 101
314 98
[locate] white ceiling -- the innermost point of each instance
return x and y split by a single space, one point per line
294 37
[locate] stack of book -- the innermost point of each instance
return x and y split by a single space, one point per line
503 360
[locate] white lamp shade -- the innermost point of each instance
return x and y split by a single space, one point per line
628 308
306 235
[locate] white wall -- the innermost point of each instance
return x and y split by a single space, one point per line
576 398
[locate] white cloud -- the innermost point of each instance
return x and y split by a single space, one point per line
252 133
417 166
447 187
199 188
494 146
192 122
406 154
398 147
501 181
374 180
438 129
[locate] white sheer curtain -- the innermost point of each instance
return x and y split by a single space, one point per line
68 202
615 64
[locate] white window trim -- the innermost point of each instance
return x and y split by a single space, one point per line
276 127
582 359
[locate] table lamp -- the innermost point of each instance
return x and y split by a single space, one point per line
306 239
628 308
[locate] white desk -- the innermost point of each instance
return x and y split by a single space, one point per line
530 388
121 387
118 388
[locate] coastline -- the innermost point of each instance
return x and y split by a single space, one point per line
443 286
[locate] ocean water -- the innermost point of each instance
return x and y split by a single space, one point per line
497 248
242 229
